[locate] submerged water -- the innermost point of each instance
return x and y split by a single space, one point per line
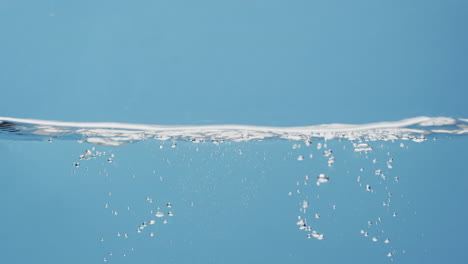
375 193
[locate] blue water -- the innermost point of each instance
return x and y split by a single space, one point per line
259 63
399 198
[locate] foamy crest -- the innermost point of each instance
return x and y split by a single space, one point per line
115 134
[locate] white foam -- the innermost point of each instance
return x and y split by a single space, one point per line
114 134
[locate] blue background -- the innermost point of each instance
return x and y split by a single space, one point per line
270 62
252 62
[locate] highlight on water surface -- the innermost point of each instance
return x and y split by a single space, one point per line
115 134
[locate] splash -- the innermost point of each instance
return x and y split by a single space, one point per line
116 134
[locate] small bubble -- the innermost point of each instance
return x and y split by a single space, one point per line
319 145
169 205
368 188
151 234
317 216
118 234
311 156
110 160
322 178
300 158
378 172
305 204
173 145
387 241
327 153
102 239
317 235
375 239
165 221
394 214
76 164
86 155
159 214
105 260
390 254
170 213
402 145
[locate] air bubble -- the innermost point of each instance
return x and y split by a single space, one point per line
317 235
300 158
327 153
86 155
322 178
159 214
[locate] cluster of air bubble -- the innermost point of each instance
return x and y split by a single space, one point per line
373 229
157 214
303 222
